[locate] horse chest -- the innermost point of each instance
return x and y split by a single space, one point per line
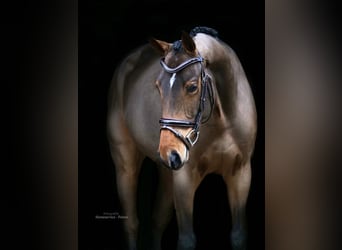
219 156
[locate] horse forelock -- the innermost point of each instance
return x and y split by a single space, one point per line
177 46
176 57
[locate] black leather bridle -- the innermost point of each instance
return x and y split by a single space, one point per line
170 124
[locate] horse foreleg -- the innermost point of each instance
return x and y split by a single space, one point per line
238 184
127 163
127 185
184 187
163 207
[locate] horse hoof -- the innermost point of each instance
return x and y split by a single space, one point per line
238 240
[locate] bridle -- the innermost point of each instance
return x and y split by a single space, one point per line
170 124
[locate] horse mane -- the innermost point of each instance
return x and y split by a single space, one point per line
177 45
202 29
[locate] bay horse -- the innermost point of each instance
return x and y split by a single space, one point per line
187 106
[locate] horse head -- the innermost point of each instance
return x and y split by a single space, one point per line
182 84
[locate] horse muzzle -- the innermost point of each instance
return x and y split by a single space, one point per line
174 161
172 152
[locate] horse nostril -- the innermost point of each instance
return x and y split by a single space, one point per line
175 160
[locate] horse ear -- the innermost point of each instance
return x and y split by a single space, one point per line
188 43
161 46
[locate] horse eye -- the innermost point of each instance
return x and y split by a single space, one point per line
191 88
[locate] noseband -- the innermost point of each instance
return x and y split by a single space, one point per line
190 138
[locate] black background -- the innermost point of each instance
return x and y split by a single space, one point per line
109 30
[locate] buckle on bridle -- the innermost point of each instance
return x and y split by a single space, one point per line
192 134
189 140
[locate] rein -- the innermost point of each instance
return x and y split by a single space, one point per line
190 138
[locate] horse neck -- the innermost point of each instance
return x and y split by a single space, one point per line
225 68
210 48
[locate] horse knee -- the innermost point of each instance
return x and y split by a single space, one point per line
131 228
238 239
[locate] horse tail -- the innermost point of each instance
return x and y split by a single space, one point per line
205 30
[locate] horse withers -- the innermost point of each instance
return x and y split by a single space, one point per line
188 106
